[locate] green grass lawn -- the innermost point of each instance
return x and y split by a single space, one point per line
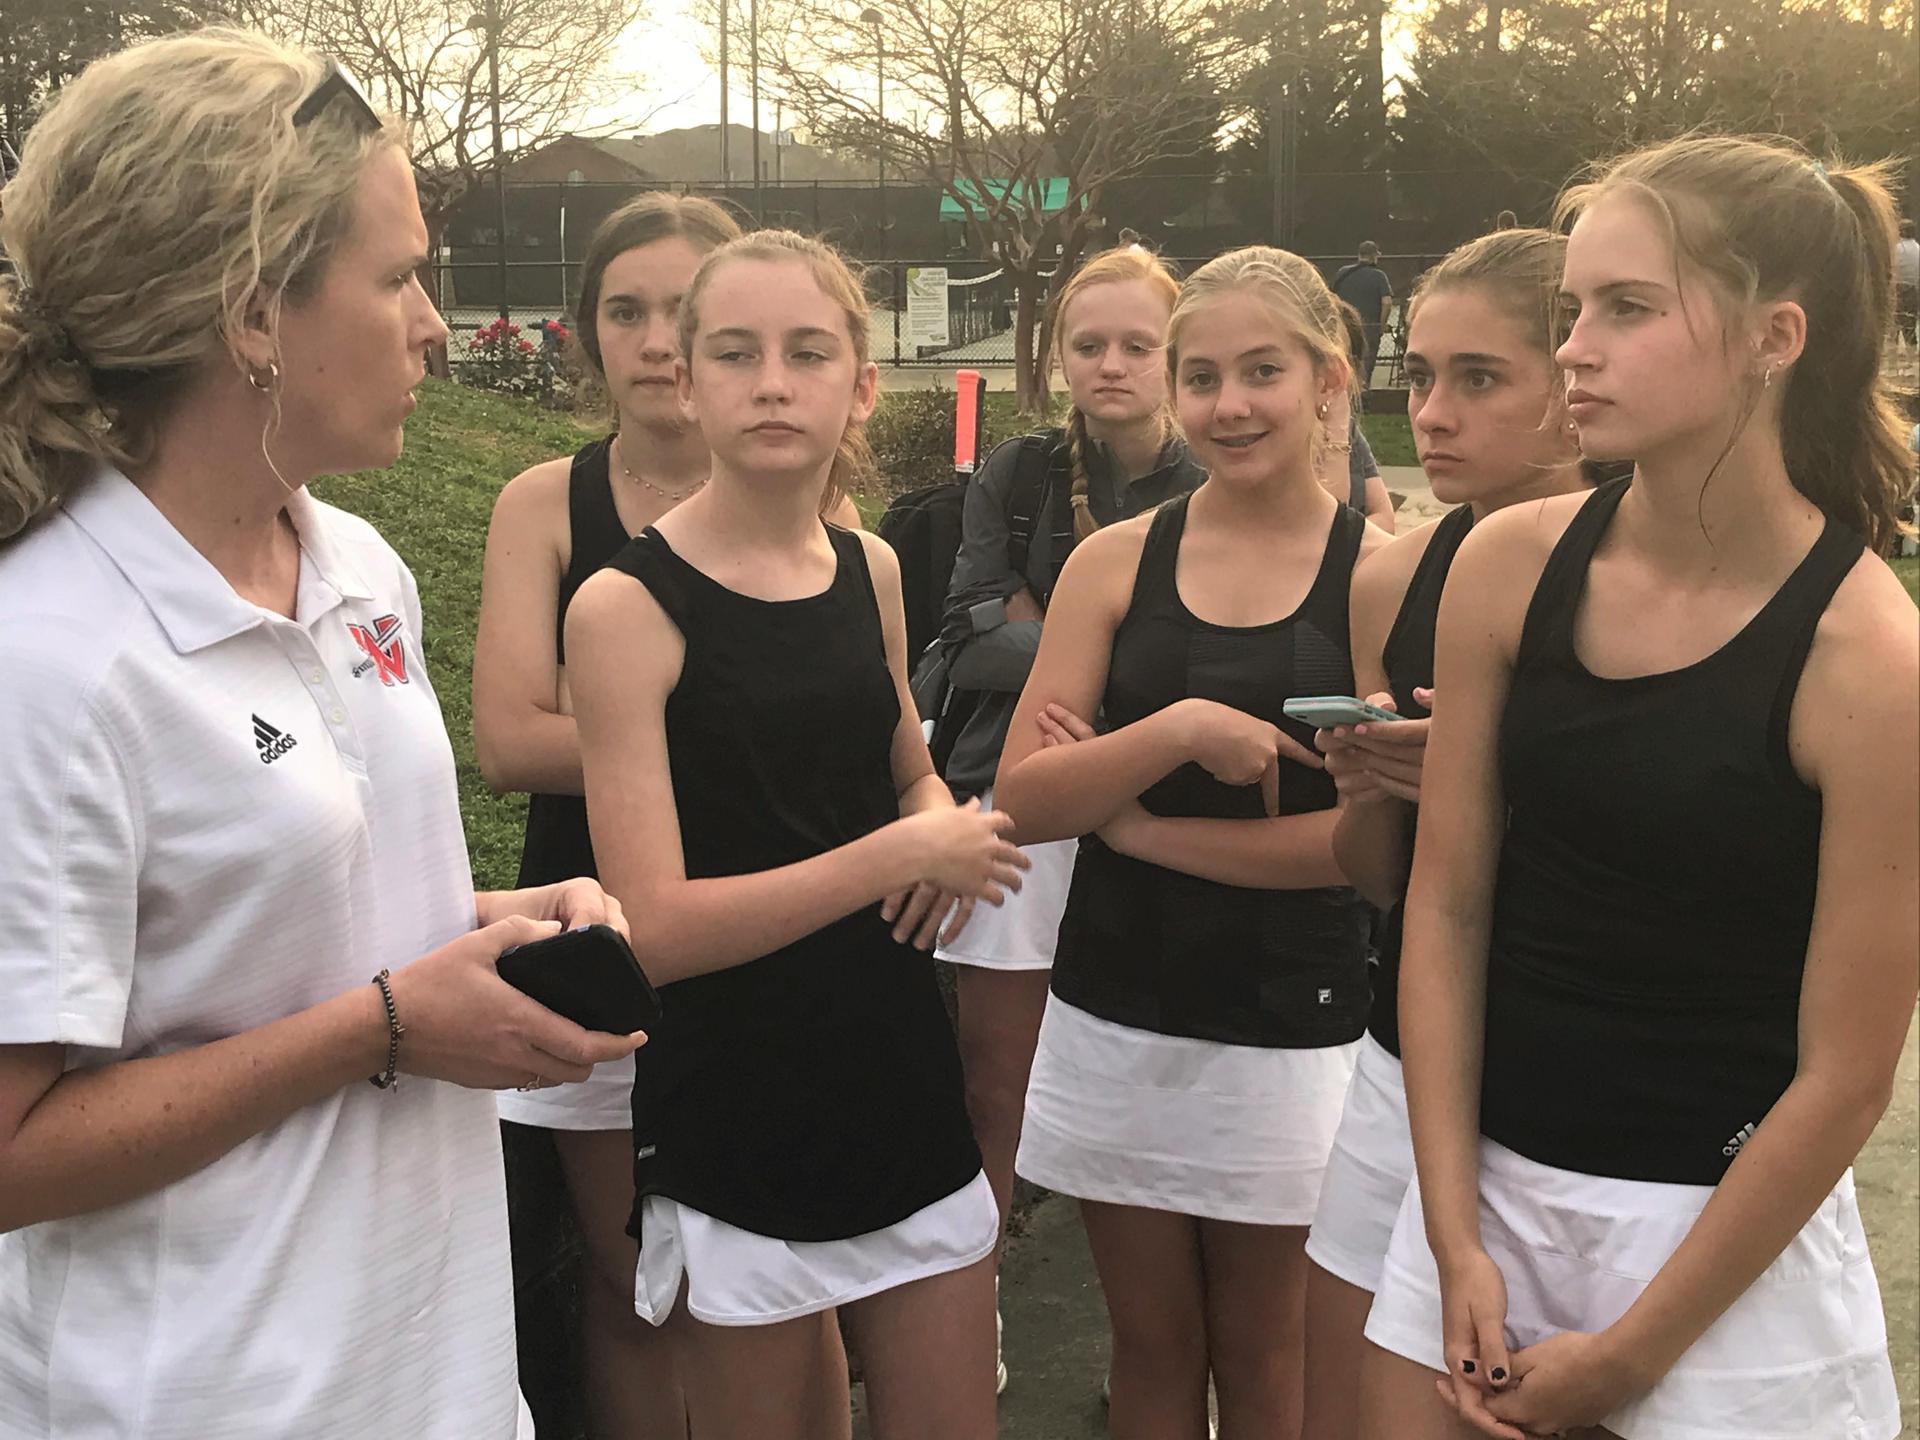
433 507
1390 436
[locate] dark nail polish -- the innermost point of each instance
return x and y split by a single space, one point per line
1466 1367
1498 1374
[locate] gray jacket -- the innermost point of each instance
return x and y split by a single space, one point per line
990 653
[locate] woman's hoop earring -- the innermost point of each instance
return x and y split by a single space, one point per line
272 381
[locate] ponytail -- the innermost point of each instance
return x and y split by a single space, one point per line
1840 421
853 465
53 425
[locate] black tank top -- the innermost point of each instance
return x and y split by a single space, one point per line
1655 888
813 1093
1407 658
1159 950
557 845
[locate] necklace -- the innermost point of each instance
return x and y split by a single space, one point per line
676 496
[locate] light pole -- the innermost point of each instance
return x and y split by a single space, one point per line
489 21
753 69
726 159
871 16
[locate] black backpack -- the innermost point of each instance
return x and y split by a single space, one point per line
923 527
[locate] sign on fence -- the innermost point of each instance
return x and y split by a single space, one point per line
927 305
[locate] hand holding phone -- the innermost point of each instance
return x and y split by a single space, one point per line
1324 712
1371 760
588 975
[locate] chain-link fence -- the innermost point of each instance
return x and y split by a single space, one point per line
943 314
534 260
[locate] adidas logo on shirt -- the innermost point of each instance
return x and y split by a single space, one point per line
271 743
1732 1147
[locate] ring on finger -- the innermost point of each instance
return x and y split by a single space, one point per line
534 1082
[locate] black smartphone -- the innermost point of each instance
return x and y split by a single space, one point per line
588 975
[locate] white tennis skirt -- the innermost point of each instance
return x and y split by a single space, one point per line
602 1101
1801 1356
735 1277
1164 1122
1367 1174
1021 932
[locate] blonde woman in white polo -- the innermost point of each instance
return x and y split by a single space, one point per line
235 888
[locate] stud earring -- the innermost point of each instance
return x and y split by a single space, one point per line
1322 412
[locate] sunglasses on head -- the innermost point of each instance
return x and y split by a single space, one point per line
336 83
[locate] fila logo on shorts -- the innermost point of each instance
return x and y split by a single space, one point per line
271 743
1732 1147
386 652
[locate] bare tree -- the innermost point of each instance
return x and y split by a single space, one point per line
991 99
426 61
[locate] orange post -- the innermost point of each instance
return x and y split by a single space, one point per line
968 399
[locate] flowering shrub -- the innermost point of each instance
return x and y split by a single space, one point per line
500 358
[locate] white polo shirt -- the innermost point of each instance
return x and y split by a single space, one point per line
213 816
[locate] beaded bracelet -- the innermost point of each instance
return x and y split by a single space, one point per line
390 1078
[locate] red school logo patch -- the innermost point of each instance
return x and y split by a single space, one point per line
386 651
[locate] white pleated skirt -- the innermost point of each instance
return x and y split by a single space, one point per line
735 1277
1367 1174
1165 1122
1019 933
602 1101
1801 1356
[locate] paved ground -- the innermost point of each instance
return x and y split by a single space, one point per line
1056 1330
1414 502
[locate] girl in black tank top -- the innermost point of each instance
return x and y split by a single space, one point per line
1660 941
1484 402
553 526
766 811
1210 980
1151 946
556 845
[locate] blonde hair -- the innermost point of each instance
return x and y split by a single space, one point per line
1762 220
1292 289
853 458
162 193
1109 267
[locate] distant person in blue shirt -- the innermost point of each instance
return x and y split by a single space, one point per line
1364 285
